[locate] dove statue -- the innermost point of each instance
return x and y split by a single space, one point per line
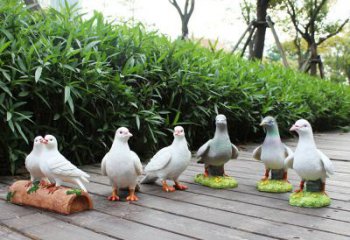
32 162
121 165
272 152
308 161
218 150
169 162
57 168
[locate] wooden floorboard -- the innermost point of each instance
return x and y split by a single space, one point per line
199 212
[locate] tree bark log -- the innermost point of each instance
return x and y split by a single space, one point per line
259 39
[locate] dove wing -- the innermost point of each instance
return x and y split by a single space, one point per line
65 168
160 160
235 151
103 165
203 149
257 153
287 151
327 164
137 163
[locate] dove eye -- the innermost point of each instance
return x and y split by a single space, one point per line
121 132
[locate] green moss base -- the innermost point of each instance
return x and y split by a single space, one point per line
309 199
274 186
216 182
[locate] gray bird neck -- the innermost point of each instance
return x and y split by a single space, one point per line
272 131
221 132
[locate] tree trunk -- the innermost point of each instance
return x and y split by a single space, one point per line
259 39
184 28
33 4
314 57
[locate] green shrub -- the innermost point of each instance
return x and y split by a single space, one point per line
82 79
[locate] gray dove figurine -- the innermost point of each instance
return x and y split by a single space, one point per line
32 162
122 165
272 152
169 162
308 161
218 150
57 168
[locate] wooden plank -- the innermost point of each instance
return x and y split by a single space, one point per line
45 227
241 212
10 234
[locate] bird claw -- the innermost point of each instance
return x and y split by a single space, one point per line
298 191
53 189
180 187
132 198
29 184
113 198
168 189
264 179
43 183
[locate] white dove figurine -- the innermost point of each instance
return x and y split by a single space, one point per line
56 167
122 165
169 162
32 162
272 152
309 162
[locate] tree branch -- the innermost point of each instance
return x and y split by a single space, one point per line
322 39
174 3
315 13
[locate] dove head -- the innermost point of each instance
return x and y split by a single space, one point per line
179 132
270 124
37 143
220 120
123 134
50 142
302 127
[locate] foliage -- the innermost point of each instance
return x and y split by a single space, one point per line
34 187
276 186
10 195
216 182
309 199
81 79
77 192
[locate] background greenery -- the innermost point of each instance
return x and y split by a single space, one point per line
82 79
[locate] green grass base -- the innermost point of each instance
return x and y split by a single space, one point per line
274 186
216 182
309 199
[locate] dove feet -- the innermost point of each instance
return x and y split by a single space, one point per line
180 187
29 184
113 198
43 183
132 197
53 189
167 188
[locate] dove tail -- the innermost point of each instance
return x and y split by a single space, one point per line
149 179
80 184
84 179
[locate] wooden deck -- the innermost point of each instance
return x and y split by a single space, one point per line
200 212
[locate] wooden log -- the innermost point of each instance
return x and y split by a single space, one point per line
59 201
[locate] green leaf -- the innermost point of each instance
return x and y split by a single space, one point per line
66 93
8 116
38 73
9 196
77 192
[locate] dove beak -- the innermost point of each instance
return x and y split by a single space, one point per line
129 134
294 128
263 123
44 141
177 133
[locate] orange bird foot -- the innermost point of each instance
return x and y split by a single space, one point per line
323 192
132 198
299 190
44 183
29 184
53 189
265 179
168 189
113 198
180 187
206 174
